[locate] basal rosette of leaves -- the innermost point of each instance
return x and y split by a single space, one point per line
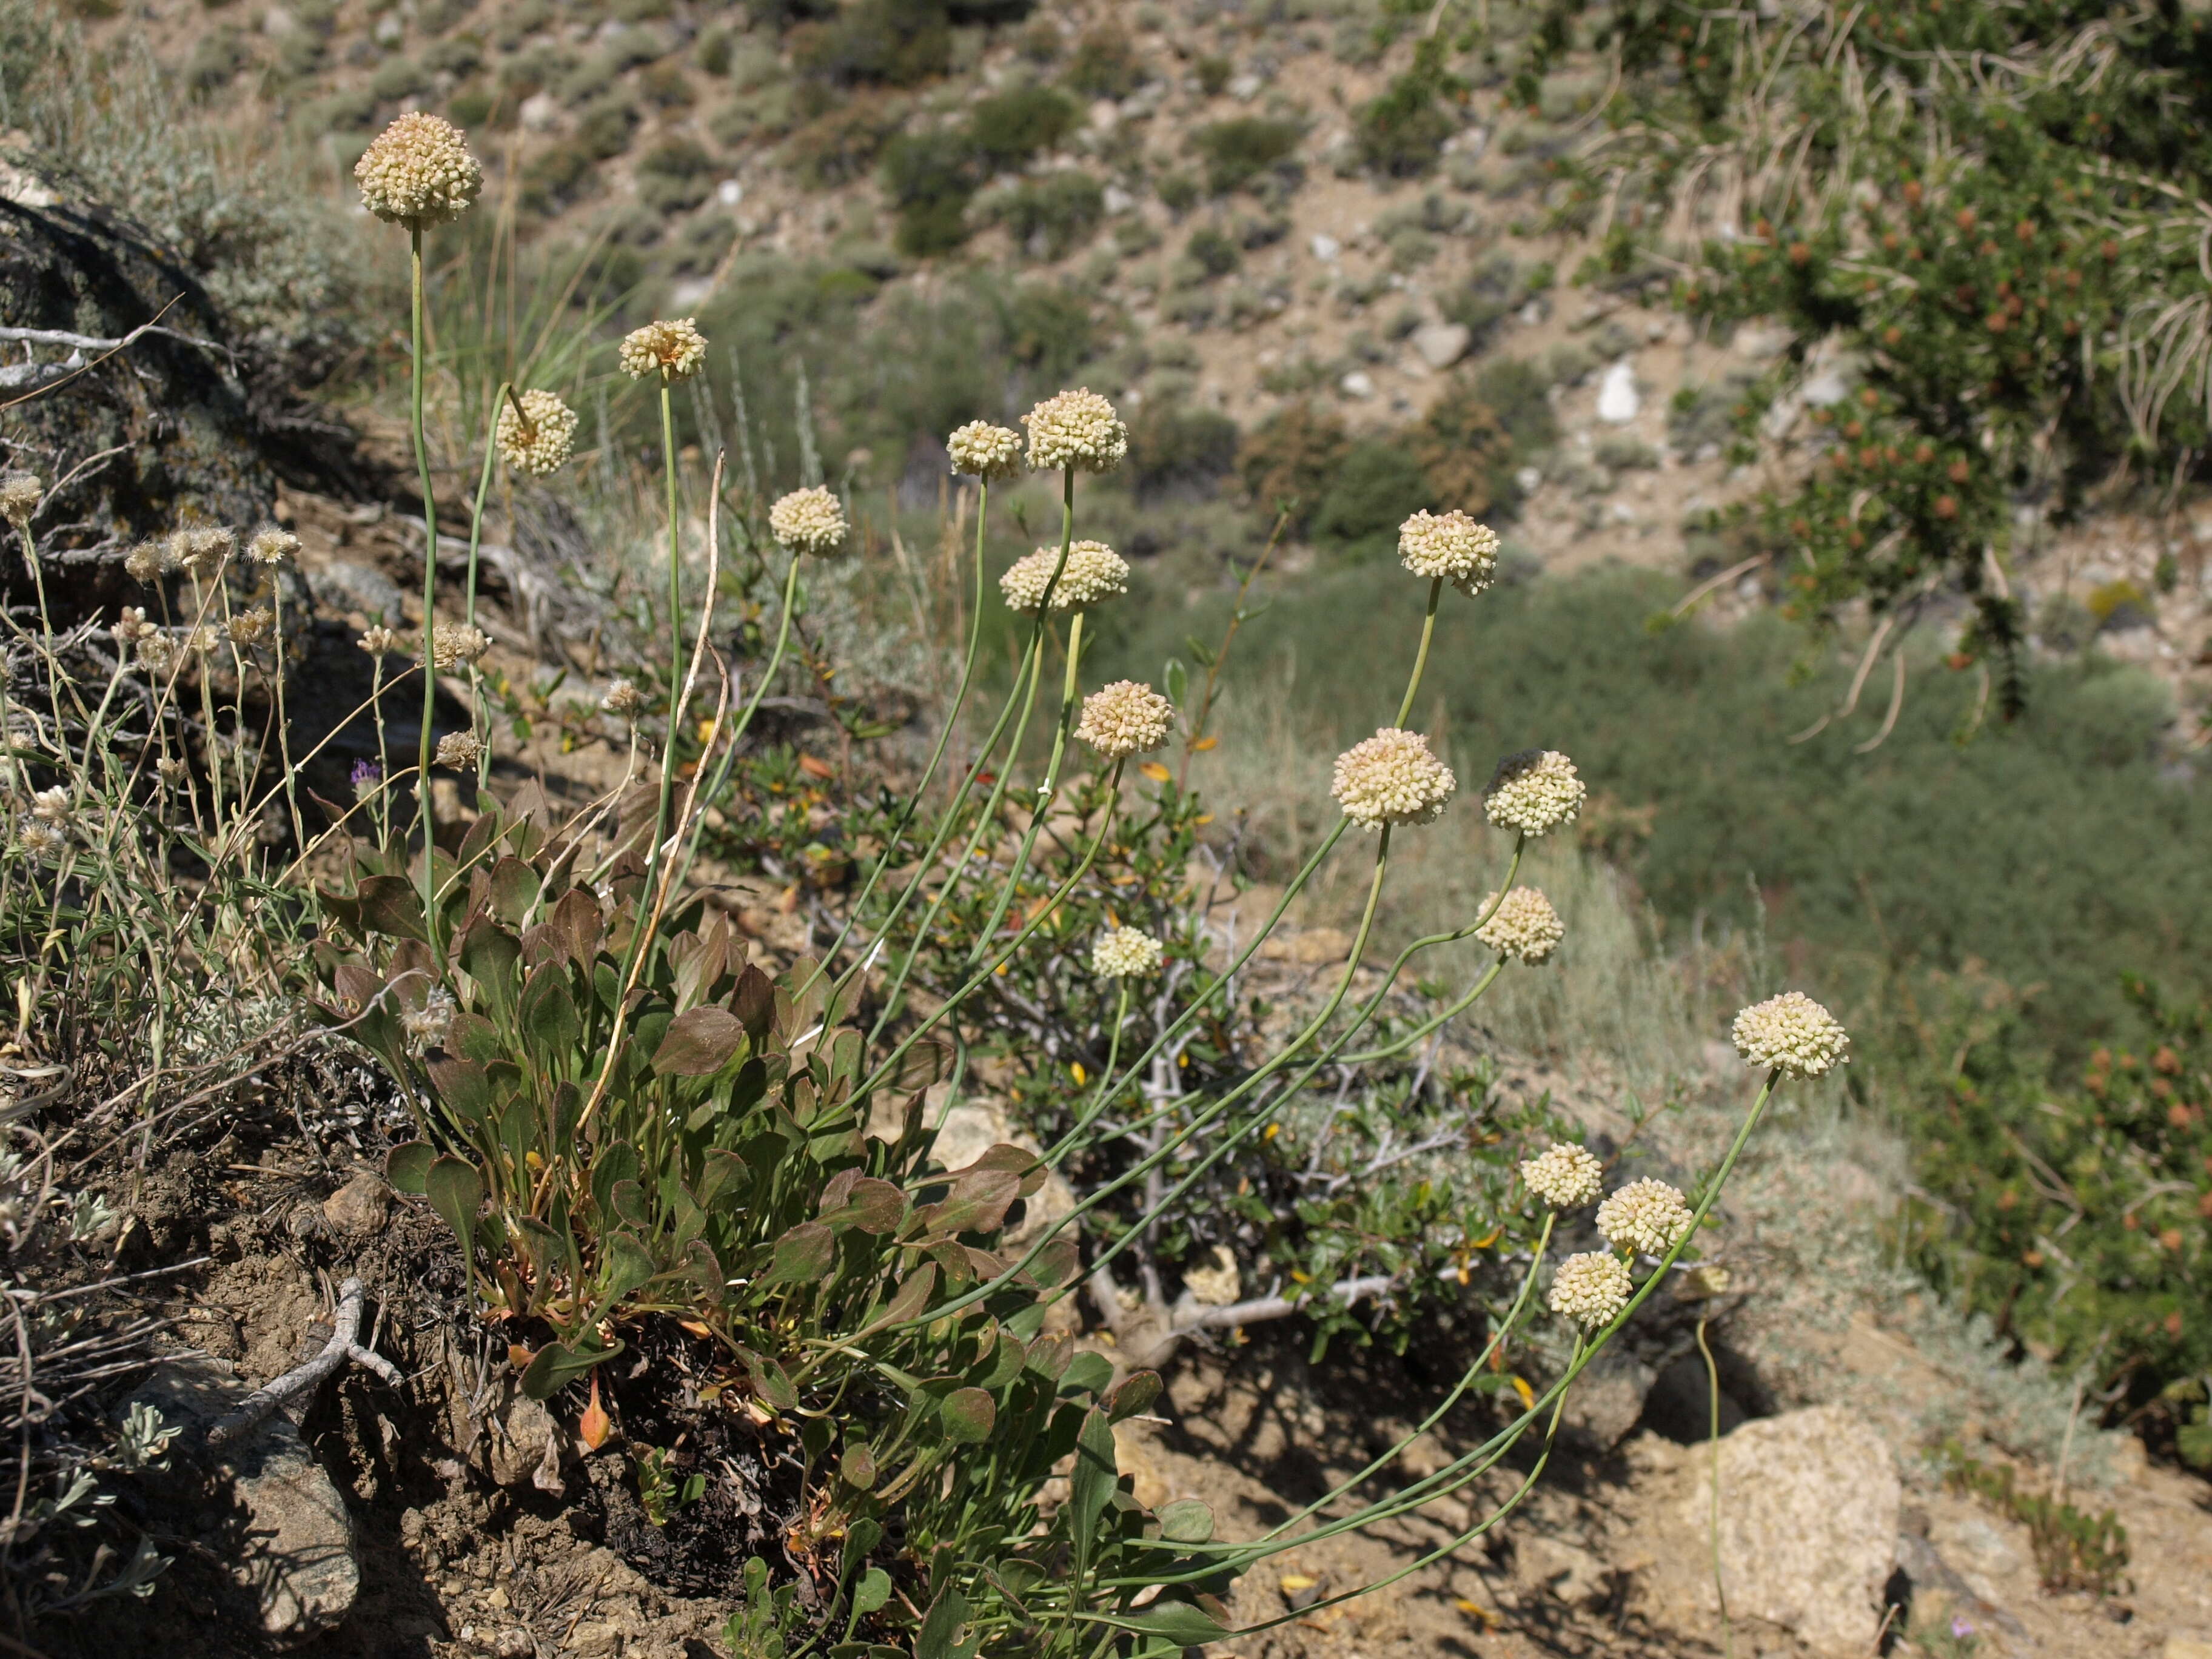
1989 218
2081 1214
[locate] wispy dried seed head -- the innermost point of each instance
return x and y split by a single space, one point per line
1078 429
200 551
1094 571
1564 1175
986 451
56 805
418 172
538 440
1533 792
144 562
170 769
460 751
624 700
1793 1034
676 348
202 641
41 842
20 495
458 646
251 627
1392 778
431 1025
1126 953
131 626
1646 1216
156 652
1450 545
1524 925
1591 1289
808 521
377 640
1124 719
271 544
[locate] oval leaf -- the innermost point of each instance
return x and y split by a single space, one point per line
1135 1394
968 1415
802 1255
406 1166
700 1041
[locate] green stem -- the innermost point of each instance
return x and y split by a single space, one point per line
1713 1520
1046 792
476 723
674 630
425 810
1421 656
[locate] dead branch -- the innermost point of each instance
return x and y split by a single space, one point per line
344 1348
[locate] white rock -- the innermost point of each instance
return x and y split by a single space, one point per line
1118 200
276 22
1442 345
1531 314
1105 114
1357 384
390 30
1528 480
540 112
1825 390
1326 247
1617 399
729 192
1759 343
1216 1284
1245 88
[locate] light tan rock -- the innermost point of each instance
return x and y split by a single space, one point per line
1809 1524
1216 1284
360 1206
2178 1646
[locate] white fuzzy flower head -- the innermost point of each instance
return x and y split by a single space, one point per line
1792 1034
131 625
201 551
1533 792
1126 953
144 562
983 451
418 172
1450 545
377 639
1591 1289
676 348
1392 778
1078 429
431 1025
808 521
623 700
1094 571
202 641
155 653
20 495
271 544
251 627
458 646
41 842
1645 1216
1524 925
1564 1175
1124 719
55 806
172 771
536 441
459 752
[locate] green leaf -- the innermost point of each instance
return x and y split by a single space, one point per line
941 1629
1179 1622
463 1088
390 904
1091 1484
1086 1373
700 1042
455 1190
513 890
406 1166
1186 1521
968 1415
858 1466
489 956
860 1538
1135 1396
557 1364
1176 681
547 1013
872 1205
624 1265
921 1066
873 1590
802 1255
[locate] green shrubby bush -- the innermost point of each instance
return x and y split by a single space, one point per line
1053 217
1240 152
1009 129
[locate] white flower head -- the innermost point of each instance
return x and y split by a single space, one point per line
1646 1216
624 700
1093 571
983 451
1125 718
418 172
536 441
808 521
431 1026
1449 546
1791 1034
1126 953
1078 429
459 646
459 752
1534 792
1392 778
674 348
41 842
1591 1289
1564 1175
20 495
55 806
1524 925
271 544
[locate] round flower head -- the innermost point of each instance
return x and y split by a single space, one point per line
675 349
155 653
366 778
537 441
251 627
1791 1033
1392 778
1534 790
131 625
459 646
1450 545
41 842
20 495
377 639
1078 429
418 172
1094 571
808 521
1591 1289
1564 1175
143 562
271 544
986 451
55 805
200 552
202 641
624 700
460 750
1524 925
1649 1216
1126 953
1125 718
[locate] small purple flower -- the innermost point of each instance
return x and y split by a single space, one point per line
1960 1630
368 779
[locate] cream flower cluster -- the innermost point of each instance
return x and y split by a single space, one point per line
675 348
200 551
1392 778
1524 925
1094 572
145 562
1534 791
1646 1216
458 646
1792 1033
20 495
418 172
1125 718
1591 1289
808 521
1126 953
1450 545
1564 1175
981 450
624 700
271 544
1078 429
538 440
460 750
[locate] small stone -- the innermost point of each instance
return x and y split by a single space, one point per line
1825 390
1528 480
1326 247
729 192
1245 88
360 1206
1617 400
1357 384
1442 345
344 586
1117 200
2178 1646
595 1636
539 113
498 1597
1216 1284
1608 1399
